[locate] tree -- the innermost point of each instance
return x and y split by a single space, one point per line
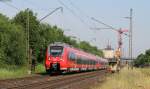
143 59
28 19
91 49
12 40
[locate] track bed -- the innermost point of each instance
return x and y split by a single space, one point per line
73 81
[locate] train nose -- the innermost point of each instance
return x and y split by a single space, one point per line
56 59
55 66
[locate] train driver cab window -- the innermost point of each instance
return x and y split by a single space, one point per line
56 50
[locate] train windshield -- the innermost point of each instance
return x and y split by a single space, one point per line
56 50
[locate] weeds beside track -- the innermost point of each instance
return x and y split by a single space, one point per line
136 78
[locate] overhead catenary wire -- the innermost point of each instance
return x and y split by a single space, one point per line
78 9
109 26
70 10
36 6
61 8
10 5
81 12
31 3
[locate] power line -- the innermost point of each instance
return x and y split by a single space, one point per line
78 9
109 26
31 3
81 12
4 0
104 24
37 6
70 10
10 5
51 13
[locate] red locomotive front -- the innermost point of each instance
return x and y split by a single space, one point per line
55 58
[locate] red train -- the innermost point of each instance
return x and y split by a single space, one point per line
61 57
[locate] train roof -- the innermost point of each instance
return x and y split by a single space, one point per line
65 45
59 44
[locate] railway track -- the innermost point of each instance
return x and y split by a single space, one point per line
47 82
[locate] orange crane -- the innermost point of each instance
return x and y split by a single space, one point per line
120 33
115 66
120 43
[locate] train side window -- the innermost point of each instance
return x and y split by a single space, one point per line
72 56
78 60
82 60
86 60
89 63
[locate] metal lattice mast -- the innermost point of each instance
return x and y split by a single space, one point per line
131 56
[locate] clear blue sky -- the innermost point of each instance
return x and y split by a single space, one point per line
108 11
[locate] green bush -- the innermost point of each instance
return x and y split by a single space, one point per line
12 43
40 68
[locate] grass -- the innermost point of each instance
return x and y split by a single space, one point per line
7 73
127 79
13 73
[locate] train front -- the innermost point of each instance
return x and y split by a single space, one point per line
54 58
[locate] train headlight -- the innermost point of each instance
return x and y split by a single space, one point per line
61 59
49 58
